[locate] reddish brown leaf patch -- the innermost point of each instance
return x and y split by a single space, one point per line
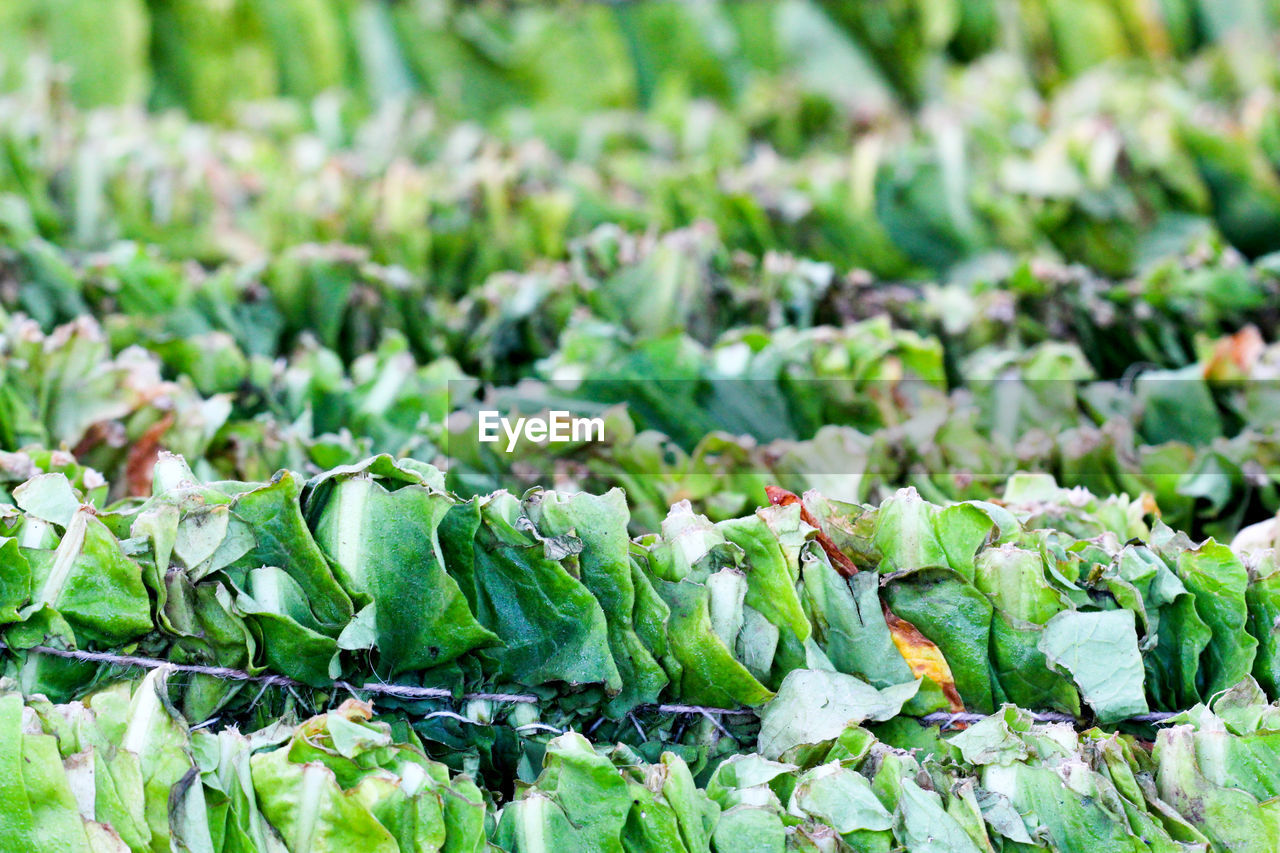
142 458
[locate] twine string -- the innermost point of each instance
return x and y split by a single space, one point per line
944 719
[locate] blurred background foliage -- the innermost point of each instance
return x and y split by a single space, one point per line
905 137
484 59
307 228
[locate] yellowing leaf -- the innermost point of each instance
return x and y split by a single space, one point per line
924 658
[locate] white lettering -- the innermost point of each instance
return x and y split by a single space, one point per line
559 427
512 434
488 426
588 429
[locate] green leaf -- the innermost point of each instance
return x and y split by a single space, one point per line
281 538
48 497
703 670
589 789
794 717
1230 817
1100 651
923 824
39 811
1173 665
290 639
1263 600
1214 575
956 618
771 581
905 534
600 522
536 824
15 581
849 623
1014 580
748 829
551 627
304 803
92 584
1069 806
384 543
840 798
158 737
